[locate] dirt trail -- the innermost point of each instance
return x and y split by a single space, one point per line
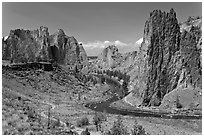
125 99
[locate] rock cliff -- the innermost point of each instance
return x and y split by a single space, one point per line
109 56
162 39
29 46
172 55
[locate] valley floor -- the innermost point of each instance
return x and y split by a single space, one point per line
29 96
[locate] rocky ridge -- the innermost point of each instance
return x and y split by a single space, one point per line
38 45
169 57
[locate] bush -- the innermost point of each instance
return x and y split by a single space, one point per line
178 104
83 122
118 128
138 129
56 124
68 124
98 119
86 132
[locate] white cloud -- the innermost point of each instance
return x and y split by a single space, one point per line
102 44
106 42
119 43
139 41
95 47
95 44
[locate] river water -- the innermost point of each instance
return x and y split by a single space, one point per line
104 106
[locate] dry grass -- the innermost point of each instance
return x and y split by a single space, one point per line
188 98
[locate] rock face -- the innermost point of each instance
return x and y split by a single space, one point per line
109 57
173 59
191 56
108 52
29 46
162 39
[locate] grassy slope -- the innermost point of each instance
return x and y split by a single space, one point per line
188 98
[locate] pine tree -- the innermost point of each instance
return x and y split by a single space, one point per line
178 104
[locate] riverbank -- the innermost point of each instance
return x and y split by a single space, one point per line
160 126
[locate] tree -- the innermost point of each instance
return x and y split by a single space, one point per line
178 104
86 132
137 129
118 127
189 19
115 73
68 124
98 71
102 79
108 72
111 73
94 81
85 79
98 119
124 88
48 116
83 122
76 69
120 76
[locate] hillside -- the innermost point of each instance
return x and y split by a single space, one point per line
29 96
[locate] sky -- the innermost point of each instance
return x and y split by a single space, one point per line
95 25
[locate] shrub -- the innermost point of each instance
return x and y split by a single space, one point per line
68 124
56 124
138 129
178 104
118 128
86 132
83 122
98 119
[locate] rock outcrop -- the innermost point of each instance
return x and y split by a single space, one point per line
162 39
107 59
109 56
33 46
172 58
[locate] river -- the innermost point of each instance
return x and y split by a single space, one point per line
104 106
